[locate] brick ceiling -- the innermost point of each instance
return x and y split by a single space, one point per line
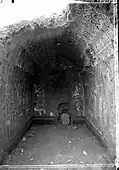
62 41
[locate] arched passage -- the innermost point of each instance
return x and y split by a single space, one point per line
43 59
77 54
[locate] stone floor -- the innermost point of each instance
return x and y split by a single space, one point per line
57 145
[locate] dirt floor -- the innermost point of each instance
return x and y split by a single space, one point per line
57 144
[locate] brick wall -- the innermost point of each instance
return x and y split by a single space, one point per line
15 104
100 90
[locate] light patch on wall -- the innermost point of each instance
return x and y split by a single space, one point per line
11 13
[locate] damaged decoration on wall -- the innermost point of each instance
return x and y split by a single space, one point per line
77 96
40 102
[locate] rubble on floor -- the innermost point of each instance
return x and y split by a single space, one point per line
52 145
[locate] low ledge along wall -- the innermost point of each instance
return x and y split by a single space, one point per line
51 120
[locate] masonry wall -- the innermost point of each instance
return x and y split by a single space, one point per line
100 91
15 105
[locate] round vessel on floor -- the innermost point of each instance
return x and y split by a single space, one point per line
65 119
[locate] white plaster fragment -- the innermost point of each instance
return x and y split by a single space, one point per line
85 153
69 160
74 127
51 163
21 150
31 159
24 139
8 122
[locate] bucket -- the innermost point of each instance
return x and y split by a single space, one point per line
42 112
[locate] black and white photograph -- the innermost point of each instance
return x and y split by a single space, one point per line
59 85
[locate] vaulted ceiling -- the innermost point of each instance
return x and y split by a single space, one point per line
62 42
51 51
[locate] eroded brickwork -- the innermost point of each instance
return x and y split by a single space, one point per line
15 104
100 90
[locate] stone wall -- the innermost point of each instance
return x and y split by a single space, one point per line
100 90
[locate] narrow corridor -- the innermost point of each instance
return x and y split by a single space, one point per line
60 69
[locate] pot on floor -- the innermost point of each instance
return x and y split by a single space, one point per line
65 119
